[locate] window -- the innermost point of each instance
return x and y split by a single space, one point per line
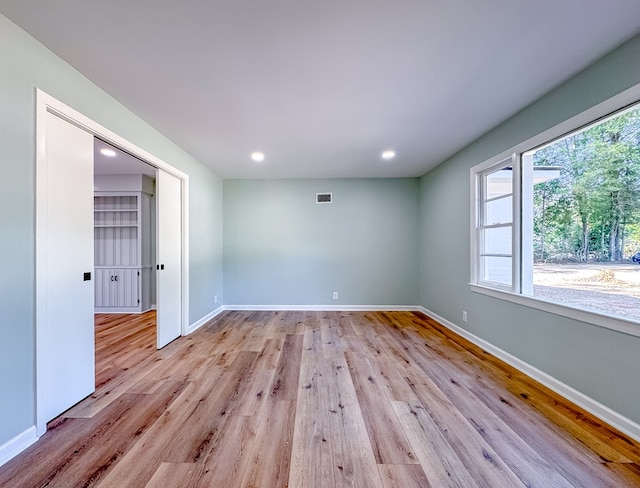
495 226
556 220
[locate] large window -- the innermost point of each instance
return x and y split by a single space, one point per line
558 219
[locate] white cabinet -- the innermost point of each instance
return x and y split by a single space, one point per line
124 251
118 288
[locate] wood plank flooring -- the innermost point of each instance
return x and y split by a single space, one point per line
321 400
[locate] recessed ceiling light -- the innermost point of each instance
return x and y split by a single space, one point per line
257 156
388 154
107 152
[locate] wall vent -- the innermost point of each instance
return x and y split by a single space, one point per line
323 198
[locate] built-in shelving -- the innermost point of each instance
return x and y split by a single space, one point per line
122 240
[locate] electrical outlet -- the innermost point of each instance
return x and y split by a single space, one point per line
215 298
464 315
335 295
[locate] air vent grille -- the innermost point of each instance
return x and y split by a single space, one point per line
324 198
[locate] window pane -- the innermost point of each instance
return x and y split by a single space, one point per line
496 269
499 211
499 183
584 220
497 240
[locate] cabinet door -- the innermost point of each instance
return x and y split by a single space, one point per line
103 287
125 287
117 279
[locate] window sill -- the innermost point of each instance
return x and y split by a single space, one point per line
600 319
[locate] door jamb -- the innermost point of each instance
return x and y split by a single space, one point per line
46 103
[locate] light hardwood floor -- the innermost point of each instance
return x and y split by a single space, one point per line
317 399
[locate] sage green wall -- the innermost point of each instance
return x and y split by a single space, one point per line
601 363
27 65
205 242
281 248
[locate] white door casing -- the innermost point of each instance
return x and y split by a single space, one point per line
168 270
69 345
48 106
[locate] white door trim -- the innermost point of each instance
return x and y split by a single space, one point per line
46 103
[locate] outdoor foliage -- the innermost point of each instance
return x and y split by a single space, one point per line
592 211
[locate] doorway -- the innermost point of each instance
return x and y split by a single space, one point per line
124 261
53 341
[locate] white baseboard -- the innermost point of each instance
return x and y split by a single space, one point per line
199 323
19 443
324 308
611 417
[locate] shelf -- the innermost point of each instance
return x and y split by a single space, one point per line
114 225
122 243
116 266
115 210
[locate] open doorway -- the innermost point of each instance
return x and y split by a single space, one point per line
125 257
65 265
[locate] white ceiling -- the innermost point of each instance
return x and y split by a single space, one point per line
322 87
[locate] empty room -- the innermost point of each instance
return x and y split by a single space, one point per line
366 244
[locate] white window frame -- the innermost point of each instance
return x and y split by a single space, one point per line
479 226
513 156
